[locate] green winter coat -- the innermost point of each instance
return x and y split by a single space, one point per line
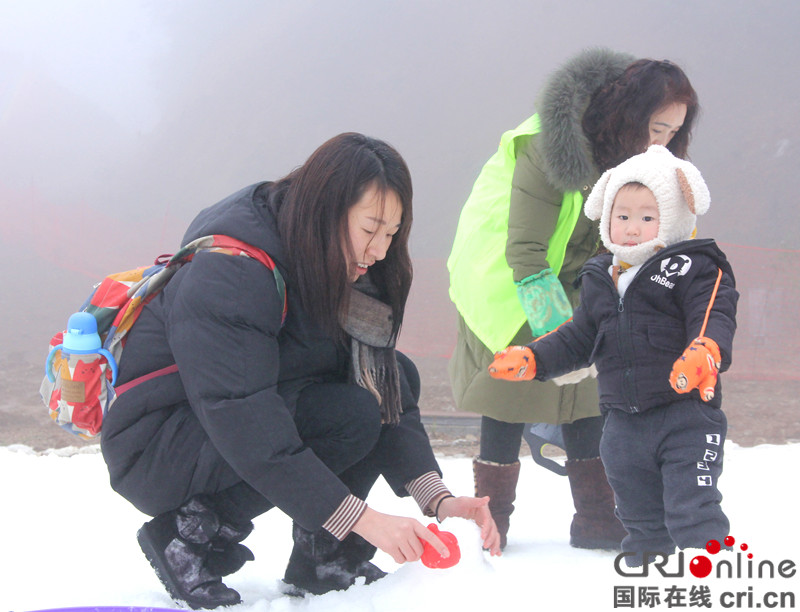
549 164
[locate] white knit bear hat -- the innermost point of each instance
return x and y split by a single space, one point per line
679 189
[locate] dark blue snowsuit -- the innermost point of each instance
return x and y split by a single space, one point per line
662 451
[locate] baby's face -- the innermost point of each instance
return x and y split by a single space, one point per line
634 216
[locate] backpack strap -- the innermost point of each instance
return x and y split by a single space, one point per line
119 390
231 246
216 243
226 243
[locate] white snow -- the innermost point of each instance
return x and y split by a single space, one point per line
69 541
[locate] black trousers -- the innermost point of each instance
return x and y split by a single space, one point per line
340 422
664 465
500 441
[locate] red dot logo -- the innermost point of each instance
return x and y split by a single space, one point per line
713 547
700 566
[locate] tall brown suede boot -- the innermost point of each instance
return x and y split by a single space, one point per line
499 482
594 525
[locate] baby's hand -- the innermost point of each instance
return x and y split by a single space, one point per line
513 363
697 368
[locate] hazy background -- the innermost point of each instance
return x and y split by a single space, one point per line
120 120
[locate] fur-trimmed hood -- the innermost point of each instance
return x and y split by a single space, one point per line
561 104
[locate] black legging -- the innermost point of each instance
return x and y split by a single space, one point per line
500 441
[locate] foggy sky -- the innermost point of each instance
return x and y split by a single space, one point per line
120 120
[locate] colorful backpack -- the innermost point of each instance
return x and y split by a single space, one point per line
81 368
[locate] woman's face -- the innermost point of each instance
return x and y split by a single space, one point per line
666 122
372 223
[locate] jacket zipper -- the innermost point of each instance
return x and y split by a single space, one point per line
623 340
626 350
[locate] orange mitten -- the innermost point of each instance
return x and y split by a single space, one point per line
697 368
513 363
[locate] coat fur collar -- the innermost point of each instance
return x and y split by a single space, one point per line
568 162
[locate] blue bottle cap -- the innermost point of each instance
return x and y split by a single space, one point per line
81 335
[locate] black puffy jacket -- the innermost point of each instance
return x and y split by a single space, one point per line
635 340
227 415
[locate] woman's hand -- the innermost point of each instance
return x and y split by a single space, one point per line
397 536
473 509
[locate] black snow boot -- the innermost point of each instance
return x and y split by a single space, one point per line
190 551
320 563
228 554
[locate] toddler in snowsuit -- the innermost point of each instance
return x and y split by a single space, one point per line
657 318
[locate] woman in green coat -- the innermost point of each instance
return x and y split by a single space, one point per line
520 243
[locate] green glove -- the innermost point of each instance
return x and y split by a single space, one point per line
544 301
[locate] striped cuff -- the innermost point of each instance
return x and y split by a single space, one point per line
425 489
344 518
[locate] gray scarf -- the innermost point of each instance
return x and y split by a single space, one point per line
374 364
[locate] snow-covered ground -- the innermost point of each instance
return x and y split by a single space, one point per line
69 541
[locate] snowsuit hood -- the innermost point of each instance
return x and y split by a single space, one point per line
678 187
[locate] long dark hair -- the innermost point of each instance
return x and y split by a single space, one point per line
617 119
313 222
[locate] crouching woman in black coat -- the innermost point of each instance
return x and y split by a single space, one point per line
303 414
